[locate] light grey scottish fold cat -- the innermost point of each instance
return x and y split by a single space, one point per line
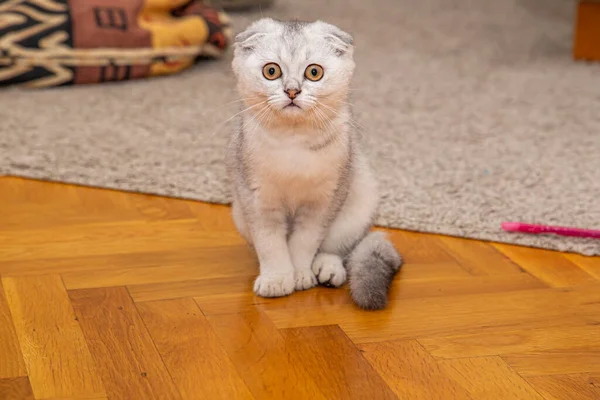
303 194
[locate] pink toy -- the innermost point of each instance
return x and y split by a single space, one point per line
558 230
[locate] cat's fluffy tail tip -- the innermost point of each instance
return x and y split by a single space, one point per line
372 267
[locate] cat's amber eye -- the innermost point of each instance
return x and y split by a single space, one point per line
314 72
271 71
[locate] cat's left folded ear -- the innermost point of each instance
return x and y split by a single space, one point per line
341 41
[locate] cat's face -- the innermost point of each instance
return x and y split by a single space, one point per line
293 70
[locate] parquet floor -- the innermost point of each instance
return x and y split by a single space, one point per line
124 296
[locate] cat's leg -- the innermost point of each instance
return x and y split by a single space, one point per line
350 226
239 220
268 231
347 230
305 237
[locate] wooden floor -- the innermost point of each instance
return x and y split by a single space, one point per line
123 296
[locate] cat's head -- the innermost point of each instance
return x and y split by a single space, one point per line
298 70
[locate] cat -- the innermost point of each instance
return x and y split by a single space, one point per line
304 196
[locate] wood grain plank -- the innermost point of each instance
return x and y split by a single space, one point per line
200 287
19 191
107 204
412 289
548 266
67 208
212 217
188 345
15 388
79 398
235 294
489 378
567 387
333 361
147 258
242 299
411 372
109 238
58 361
148 207
555 362
479 258
11 360
514 341
212 263
263 358
127 359
32 204
418 248
591 265
228 303
26 216
403 319
432 270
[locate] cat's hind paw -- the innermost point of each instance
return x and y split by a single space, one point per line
329 270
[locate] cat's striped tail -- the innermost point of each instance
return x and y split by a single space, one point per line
372 266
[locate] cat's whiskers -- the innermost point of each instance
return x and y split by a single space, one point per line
315 119
324 121
245 110
313 110
352 121
266 118
254 118
235 115
321 120
333 131
239 100
329 121
340 101
242 99
257 117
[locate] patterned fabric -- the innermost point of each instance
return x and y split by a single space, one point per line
46 43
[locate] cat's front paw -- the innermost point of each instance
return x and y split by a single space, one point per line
329 270
305 279
275 285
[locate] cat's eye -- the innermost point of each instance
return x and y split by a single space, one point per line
314 72
271 71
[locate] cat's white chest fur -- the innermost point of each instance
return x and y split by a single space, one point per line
285 168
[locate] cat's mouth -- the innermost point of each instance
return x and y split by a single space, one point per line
291 105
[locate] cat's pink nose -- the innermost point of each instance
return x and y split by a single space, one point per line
292 93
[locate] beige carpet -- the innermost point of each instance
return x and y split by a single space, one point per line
474 113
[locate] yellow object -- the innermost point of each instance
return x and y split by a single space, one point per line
170 32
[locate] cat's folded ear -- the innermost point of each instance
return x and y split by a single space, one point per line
342 42
246 40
